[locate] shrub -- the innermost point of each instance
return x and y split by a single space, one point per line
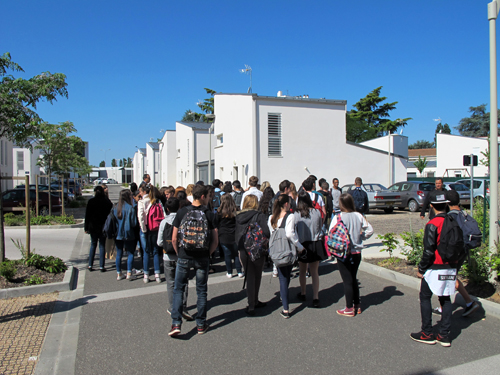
414 246
34 280
12 220
389 241
7 270
478 267
47 263
54 265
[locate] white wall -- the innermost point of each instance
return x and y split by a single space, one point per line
29 163
152 164
184 160
138 167
168 154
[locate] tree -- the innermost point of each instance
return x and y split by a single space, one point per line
440 128
120 163
129 163
113 162
477 125
373 115
102 164
420 164
357 131
421 144
207 106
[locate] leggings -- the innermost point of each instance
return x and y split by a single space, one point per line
284 274
348 270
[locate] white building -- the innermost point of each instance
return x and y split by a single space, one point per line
6 164
152 159
139 165
168 155
277 138
24 162
429 154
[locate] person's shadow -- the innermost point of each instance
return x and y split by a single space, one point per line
378 298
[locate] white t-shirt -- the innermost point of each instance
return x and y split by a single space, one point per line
319 198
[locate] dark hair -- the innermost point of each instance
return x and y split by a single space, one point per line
133 187
453 197
308 184
163 189
285 184
178 189
200 183
237 184
199 191
358 180
313 177
227 208
183 201
346 203
154 195
438 179
253 181
170 189
145 188
99 191
181 195
335 179
216 183
325 185
228 188
145 176
125 197
304 204
321 180
172 205
267 197
279 203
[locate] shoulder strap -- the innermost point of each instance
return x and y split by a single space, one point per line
283 222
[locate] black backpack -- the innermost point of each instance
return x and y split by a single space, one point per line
451 245
110 229
359 199
193 231
237 198
470 229
168 248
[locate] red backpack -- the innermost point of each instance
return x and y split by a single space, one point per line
155 216
317 206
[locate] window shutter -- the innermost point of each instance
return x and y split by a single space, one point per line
274 134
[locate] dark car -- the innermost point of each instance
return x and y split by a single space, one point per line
17 198
412 193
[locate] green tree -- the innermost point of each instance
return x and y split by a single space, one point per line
477 125
129 163
102 164
113 162
120 163
357 130
373 114
440 128
421 144
207 106
420 164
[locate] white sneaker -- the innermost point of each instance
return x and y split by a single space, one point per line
119 276
130 276
146 279
158 278
229 275
241 275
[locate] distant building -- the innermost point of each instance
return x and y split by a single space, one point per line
425 153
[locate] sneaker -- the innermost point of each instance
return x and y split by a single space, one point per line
187 316
158 278
102 269
130 276
423 337
90 269
137 272
443 340
146 279
275 274
315 303
250 312
346 312
229 275
308 274
357 309
175 330
260 304
301 297
202 329
241 275
284 314
436 311
120 277
469 309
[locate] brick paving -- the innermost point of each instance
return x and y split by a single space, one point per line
23 323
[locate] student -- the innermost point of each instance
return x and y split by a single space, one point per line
431 261
253 269
327 199
253 182
152 248
189 192
142 216
308 226
237 194
193 249
281 211
264 186
265 202
336 195
170 259
125 238
359 230
360 197
226 229
309 186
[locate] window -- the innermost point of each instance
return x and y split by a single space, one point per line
20 160
406 187
220 139
274 134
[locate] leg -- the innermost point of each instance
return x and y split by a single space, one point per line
344 270
284 276
302 277
145 254
250 274
181 278
227 257
461 289
258 267
102 250
153 245
202 267
314 269
356 260
130 248
93 245
236 257
426 307
169 268
119 254
445 302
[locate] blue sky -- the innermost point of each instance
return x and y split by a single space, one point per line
133 67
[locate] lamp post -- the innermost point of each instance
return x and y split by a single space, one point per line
493 9
211 117
105 151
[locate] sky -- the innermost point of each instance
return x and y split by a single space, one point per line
134 67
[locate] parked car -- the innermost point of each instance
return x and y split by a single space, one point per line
17 198
462 191
477 187
379 197
74 188
412 193
108 181
68 195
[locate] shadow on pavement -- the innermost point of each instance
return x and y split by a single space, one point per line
378 298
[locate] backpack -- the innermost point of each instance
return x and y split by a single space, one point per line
155 217
216 201
338 240
281 250
168 248
237 195
451 245
254 243
470 229
110 229
317 206
359 199
193 231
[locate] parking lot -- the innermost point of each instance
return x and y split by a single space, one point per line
396 222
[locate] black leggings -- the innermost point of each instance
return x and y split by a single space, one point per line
348 270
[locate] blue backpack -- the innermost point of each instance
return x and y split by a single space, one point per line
470 228
359 200
216 201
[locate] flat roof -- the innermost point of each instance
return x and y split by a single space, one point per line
300 98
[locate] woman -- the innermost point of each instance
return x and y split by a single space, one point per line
265 185
183 201
152 247
189 192
267 197
125 239
359 230
308 224
293 191
227 225
179 189
281 211
142 214
97 211
248 215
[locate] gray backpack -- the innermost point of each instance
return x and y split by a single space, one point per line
281 250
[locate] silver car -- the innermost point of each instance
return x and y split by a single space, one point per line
478 185
462 191
378 196
412 193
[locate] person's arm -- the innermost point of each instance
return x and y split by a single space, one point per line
87 217
425 206
367 229
159 242
263 224
290 232
140 216
430 245
175 230
367 204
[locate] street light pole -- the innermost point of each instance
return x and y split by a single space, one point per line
211 117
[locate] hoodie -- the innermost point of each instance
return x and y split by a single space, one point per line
245 217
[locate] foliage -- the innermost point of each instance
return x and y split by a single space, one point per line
357 131
479 216
421 144
46 263
477 125
7 270
444 129
478 267
413 246
206 106
102 164
17 220
34 280
125 185
389 241
420 164
18 100
120 163
389 262
113 163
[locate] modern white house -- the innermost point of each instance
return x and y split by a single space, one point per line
168 156
138 165
153 161
277 138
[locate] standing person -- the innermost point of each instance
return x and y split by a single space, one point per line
253 182
430 263
194 238
281 213
105 188
170 257
360 197
218 193
189 192
309 185
284 188
253 269
154 217
227 188
146 180
336 195
265 185
97 211
142 215
327 199
226 228
359 230
308 224
125 238
293 192
438 186
265 202
237 194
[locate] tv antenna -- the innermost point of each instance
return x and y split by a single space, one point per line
248 70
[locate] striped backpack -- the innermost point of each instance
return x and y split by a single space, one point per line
338 240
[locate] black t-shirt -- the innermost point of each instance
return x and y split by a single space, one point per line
211 226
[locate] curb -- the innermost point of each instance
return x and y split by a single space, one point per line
490 308
78 225
66 284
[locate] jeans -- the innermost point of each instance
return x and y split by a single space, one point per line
94 238
152 248
169 268
230 253
426 310
348 270
253 272
201 266
284 274
142 241
127 245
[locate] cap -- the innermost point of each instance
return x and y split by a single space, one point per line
438 197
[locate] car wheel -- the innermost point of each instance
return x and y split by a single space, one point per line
413 206
388 210
44 211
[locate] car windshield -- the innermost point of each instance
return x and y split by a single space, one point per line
426 186
458 187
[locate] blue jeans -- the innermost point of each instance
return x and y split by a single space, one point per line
94 238
153 249
284 274
230 253
201 267
127 245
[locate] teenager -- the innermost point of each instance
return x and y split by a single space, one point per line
237 194
152 248
226 227
360 197
253 190
359 230
142 216
125 238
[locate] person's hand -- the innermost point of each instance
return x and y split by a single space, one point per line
422 217
419 275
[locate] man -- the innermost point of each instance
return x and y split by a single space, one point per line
360 197
217 184
327 199
336 195
253 181
310 187
146 180
431 270
237 193
193 255
439 187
